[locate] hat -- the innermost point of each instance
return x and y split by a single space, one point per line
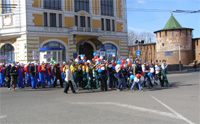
145 63
152 62
163 60
64 63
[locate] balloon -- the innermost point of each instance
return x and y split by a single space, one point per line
79 61
136 80
113 55
99 60
113 64
118 62
129 63
99 70
94 54
84 68
77 58
101 57
84 61
113 67
99 63
82 58
88 61
149 74
142 73
82 55
137 75
121 66
103 68
132 77
99 67
95 57
123 62
128 60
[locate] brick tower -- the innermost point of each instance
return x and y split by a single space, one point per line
174 42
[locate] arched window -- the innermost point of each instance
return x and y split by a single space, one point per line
108 46
8 51
61 56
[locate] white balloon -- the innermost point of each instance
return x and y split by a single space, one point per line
101 57
82 58
76 60
128 60
102 68
136 80
113 55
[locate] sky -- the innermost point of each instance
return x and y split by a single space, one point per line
152 15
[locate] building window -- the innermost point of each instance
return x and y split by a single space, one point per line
61 56
172 33
160 34
52 20
6 6
82 21
52 4
45 19
8 51
81 5
107 24
180 32
60 20
186 32
88 22
76 20
113 25
107 7
109 46
102 24
190 33
163 44
165 33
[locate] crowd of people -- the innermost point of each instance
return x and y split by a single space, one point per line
79 73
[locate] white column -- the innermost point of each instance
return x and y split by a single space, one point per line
61 57
57 57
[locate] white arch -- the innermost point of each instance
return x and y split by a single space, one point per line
113 43
59 41
7 42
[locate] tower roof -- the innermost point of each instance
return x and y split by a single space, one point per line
172 24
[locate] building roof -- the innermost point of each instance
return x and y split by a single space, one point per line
172 24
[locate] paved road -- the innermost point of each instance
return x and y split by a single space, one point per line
178 104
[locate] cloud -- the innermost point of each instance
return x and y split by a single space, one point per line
141 1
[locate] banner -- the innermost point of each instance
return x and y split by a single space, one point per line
48 56
34 55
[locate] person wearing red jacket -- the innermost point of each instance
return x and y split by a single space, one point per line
28 78
41 70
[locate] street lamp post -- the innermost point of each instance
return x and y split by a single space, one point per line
180 58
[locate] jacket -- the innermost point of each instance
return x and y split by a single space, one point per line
68 74
56 72
14 72
7 71
32 71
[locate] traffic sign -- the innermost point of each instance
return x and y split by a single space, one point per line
138 52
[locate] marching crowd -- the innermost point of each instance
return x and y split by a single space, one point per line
95 74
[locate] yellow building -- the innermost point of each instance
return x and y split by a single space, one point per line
61 29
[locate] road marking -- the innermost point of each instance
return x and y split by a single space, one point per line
3 116
173 111
132 107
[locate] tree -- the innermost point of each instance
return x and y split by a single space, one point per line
147 36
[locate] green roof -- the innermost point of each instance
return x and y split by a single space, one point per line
172 24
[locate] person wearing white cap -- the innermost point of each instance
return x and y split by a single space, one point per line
41 70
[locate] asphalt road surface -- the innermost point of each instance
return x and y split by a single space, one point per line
177 104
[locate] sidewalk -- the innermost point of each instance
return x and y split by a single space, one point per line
183 71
